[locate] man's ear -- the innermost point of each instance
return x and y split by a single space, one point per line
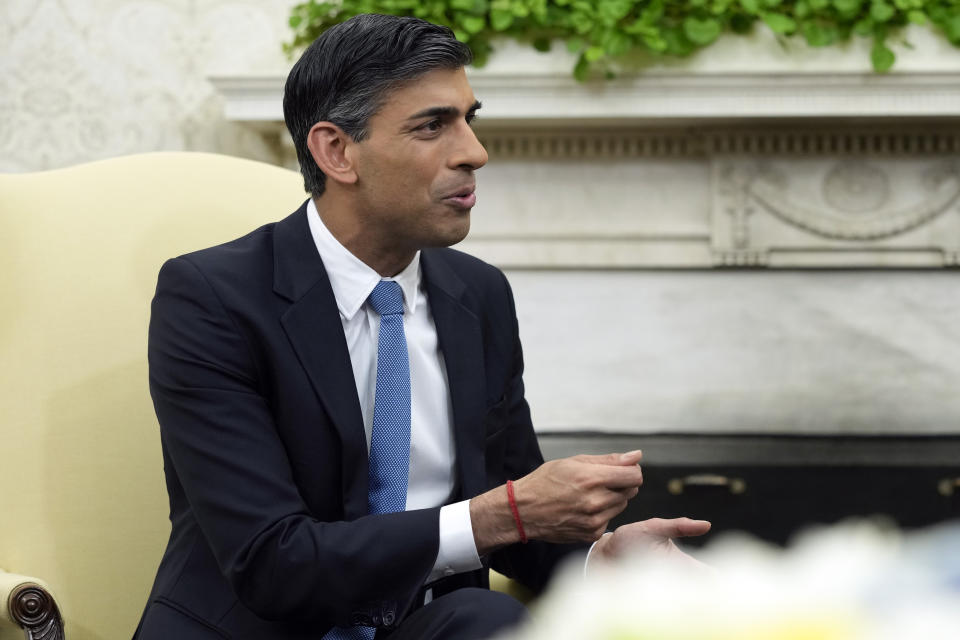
328 145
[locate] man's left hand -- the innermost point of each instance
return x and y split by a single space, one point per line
653 536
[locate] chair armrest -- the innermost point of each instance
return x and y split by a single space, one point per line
500 582
27 604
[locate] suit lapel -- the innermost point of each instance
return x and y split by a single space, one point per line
461 342
312 324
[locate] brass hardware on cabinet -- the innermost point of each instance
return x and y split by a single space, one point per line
948 486
676 486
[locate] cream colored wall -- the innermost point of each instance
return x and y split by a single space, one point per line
83 80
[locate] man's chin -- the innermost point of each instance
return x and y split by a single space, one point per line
453 235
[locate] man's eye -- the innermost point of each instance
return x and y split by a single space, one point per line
433 125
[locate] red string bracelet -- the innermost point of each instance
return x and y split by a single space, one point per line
516 514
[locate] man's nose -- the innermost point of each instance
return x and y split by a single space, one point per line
469 152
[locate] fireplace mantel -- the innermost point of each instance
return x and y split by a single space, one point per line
706 191
746 155
737 78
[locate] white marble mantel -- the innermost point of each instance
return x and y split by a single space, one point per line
612 205
745 155
735 78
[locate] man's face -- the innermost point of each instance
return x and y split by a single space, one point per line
415 170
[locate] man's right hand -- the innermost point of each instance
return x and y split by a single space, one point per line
566 500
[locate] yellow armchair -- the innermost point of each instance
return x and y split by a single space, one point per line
84 505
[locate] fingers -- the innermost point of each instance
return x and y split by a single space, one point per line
596 525
615 459
602 501
618 477
676 527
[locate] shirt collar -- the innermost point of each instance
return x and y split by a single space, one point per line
351 279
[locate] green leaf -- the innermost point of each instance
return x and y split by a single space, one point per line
951 27
582 23
818 35
819 5
917 17
701 32
863 27
849 7
593 54
882 57
880 11
639 27
801 9
618 44
581 69
653 12
780 23
542 44
575 45
500 20
481 52
677 42
520 10
472 24
772 3
741 23
655 43
750 6
614 10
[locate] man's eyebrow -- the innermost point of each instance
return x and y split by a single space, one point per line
443 112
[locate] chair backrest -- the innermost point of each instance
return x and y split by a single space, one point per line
84 505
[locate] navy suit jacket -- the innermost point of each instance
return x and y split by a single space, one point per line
264 450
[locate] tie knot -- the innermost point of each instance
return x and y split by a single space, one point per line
387 298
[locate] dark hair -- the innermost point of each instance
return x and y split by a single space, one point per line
344 76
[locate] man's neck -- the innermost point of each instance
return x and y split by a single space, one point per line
349 231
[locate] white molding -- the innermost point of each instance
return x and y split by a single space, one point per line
251 98
737 77
556 97
705 97
617 174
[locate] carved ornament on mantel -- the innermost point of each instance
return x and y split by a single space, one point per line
853 210
735 159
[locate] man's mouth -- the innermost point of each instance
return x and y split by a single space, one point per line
464 198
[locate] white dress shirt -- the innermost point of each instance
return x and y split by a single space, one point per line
432 471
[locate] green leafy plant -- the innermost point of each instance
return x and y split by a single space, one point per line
603 32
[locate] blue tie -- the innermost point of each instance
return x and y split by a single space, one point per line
390 438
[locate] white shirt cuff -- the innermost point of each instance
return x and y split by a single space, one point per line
458 549
586 561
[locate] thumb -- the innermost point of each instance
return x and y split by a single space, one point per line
617 459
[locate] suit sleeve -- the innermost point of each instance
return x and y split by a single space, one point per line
534 563
232 469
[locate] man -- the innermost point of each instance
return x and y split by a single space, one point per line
346 441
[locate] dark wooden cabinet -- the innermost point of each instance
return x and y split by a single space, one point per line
776 486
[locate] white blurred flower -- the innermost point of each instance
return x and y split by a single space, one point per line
854 581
